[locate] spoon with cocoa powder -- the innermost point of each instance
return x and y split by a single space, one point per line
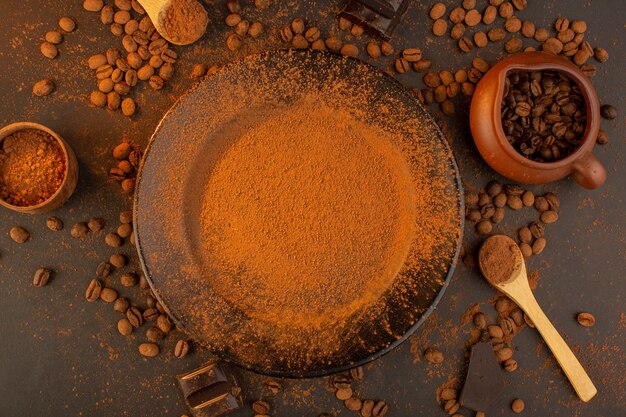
181 22
502 264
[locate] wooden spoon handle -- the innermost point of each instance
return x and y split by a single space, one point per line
571 366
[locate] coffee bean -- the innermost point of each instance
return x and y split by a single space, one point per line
483 199
495 331
513 45
539 245
92 293
510 365
350 50
601 54
49 50
113 240
549 217
517 406
465 44
149 350
608 112
586 319
514 202
353 404
255 30
602 138
508 325
518 316
451 406
54 223
95 224
356 373
472 17
437 11
367 408
433 355
41 277
473 215
118 260
457 15
448 394
108 295
151 314
483 227
43 88
471 198
124 327
121 305
504 354
128 107
502 304
380 409
93 5
67 24
528 198
79 230
524 234
479 321
402 65
440 27
134 316
154 334
182 348
457 31
164 323
125 230
412 54
19 234
129 279
344 393
103 269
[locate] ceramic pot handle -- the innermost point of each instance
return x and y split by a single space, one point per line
589 172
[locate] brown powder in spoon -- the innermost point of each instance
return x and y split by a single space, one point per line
499 257
184 21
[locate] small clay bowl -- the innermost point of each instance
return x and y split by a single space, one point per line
65 190
486 125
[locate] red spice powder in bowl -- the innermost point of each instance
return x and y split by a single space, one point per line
38 169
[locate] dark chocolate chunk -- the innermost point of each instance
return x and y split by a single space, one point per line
380 17
210 391
484 380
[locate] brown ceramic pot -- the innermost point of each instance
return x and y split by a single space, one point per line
486 126
71 171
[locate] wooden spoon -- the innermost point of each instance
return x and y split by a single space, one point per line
188 16
502 263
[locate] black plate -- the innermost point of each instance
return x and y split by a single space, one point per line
178 162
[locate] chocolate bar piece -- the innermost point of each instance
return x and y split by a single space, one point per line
379 17
484 380
210 391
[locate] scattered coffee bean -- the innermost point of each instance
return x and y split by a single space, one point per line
43 88
182 348
526 249
124 327
549 217
353 404
41 277
118 260
479 321
504 354
602 138
608 112
67 24
539 245
344 393
440 27
108 295
437 11
356 373
433 355
517 406
484 227
92 293
95 224
121 304
149 350
134 316
510 365
586 319
19 234
79 230
129 279
113 240
448 394
524 235
502 304
151 314
164 323
495 331
54 223
154 334
380 409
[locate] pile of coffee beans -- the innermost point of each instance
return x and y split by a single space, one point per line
543 114
341 384
129 155
486 208
146 56
242 27
299 35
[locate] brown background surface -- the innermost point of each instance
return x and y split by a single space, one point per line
61 356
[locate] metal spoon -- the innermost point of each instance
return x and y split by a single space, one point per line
516 288
158 9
